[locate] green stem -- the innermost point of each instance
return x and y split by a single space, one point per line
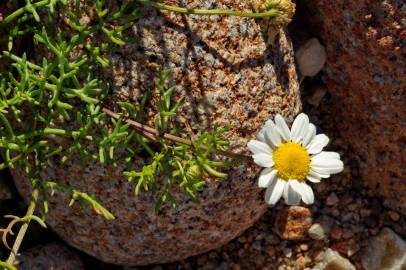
14 159
7 266
24 227
270 13
20 11
45 131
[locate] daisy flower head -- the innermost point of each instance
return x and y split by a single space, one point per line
291 157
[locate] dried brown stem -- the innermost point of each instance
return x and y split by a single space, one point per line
152 134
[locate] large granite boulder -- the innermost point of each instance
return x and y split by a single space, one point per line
365 73
228 74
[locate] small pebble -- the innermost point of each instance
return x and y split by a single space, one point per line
293 222
333 260
304 247
287 252
270 251
332 199
316 232
303 261
365 212
394 215
336 233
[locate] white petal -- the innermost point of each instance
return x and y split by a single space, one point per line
261 135
290 195
304 190
274 191
327 165
308 195
272 136
268 122
309 136
263 160
318 175
317 144
266 177
326 154
299 127
257 147
313 178
282 127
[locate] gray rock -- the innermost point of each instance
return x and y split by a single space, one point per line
311 57
333 261
54 256
386 251
228 75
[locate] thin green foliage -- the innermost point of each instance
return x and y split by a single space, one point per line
81 197
39 119
39 98
178 165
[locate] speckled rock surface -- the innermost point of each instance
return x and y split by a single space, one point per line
229 76
54 256
365 73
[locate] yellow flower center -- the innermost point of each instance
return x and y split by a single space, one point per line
291 161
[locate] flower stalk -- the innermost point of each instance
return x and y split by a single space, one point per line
23 228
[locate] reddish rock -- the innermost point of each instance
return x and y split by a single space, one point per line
365 74
293 222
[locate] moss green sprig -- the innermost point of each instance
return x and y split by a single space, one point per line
81 197
31 8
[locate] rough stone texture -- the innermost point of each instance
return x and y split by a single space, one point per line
333 261
54 256
365 73
293 222
387 251
229 76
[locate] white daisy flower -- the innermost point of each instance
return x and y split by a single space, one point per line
291 158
